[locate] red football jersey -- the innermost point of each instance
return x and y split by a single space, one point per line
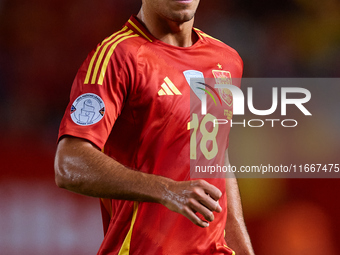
131 97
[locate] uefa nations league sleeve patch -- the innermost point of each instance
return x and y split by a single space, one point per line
87 109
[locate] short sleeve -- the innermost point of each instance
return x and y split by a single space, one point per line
98 94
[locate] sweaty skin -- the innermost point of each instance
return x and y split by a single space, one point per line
80 167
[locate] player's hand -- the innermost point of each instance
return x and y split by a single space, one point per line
189 197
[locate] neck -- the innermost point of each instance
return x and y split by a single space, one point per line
170 32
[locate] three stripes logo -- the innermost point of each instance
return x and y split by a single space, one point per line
168 88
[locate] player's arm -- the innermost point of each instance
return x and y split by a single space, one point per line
237 236
80 167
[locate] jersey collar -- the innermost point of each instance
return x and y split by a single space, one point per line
136 26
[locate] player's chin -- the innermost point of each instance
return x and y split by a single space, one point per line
182 16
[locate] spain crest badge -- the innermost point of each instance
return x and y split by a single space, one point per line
224 77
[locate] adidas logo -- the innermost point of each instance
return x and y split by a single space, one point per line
168 88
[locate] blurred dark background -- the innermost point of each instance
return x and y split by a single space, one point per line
43 43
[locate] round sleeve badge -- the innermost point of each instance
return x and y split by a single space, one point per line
87 109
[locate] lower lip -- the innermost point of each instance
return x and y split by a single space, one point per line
184 1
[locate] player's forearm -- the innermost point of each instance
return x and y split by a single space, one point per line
237 236
82 168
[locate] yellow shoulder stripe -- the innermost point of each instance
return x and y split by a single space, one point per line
125 249
140 31
87 78
112 42
205 35
100 58
200 32
108 56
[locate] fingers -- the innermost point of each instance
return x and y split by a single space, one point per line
200 208
194 218
207 195
195 206
210 189
211 204
190 197
204 200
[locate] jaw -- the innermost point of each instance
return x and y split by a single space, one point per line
170 21
179 11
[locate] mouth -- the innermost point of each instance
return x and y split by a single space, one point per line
184 1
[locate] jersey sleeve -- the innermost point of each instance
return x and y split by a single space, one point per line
98 94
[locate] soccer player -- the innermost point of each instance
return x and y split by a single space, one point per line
125 138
